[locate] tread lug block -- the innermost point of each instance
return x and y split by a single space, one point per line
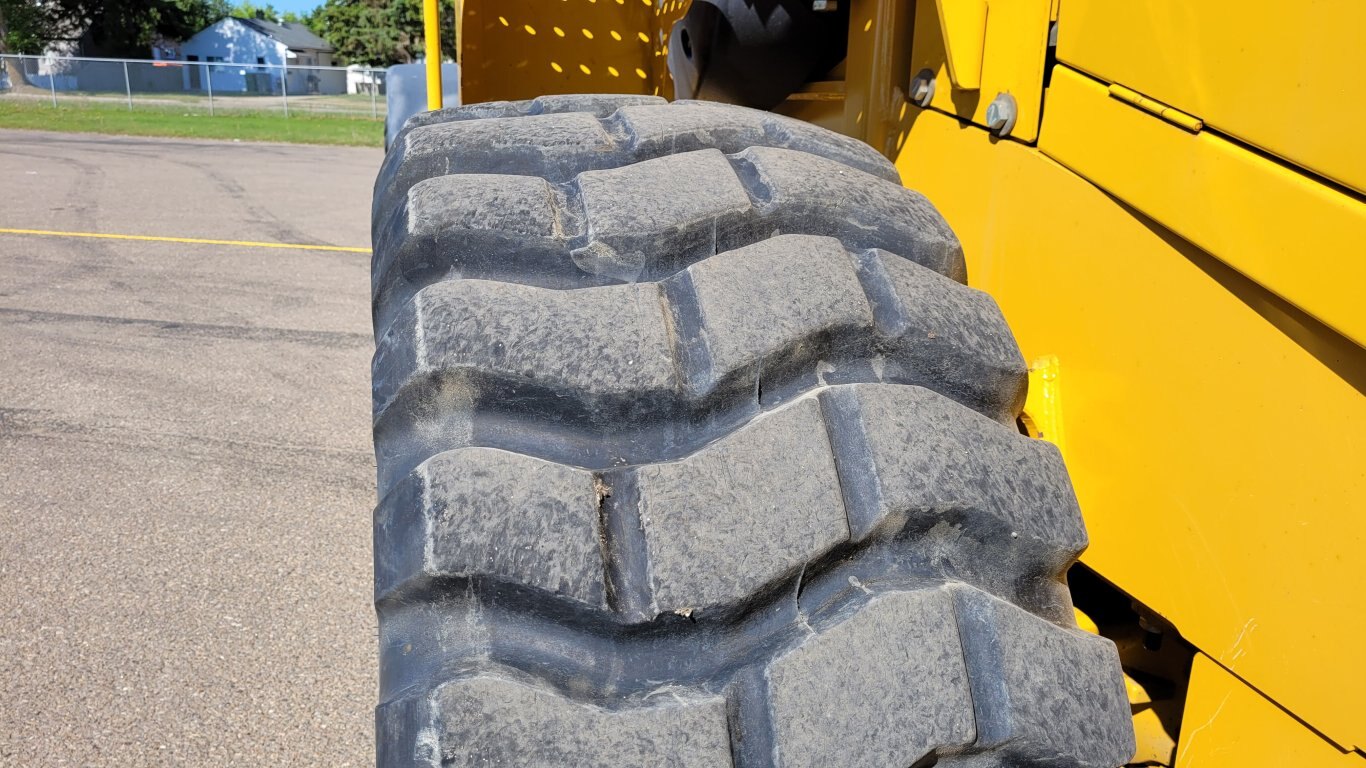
914 458
732 518
643 228
488 514
936 331
686 126
757 332
573 142
811 194
597 105
500 227
889 680
493 721
1043 694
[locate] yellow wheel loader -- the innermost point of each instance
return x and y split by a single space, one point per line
896 383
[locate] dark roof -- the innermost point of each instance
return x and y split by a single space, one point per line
294 36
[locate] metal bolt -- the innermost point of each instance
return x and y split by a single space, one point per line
922 88
1001 114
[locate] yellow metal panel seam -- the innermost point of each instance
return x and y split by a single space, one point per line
1284 78
1292 234
1170 114
963 25
1227 723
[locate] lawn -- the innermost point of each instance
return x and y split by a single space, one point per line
100 117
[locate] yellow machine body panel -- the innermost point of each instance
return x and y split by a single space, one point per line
1006 56
1283 77
1214 432
1294 235
1229 726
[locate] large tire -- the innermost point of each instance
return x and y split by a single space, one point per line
693 449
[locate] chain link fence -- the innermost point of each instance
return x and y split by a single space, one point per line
206 87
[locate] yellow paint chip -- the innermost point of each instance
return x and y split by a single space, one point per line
503 21
587 33
613 72
530 30
616 35
558 31
556 66
585 69
641 73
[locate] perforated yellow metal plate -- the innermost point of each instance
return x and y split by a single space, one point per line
521 49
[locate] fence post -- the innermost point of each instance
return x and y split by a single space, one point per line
126 87
374 89
208 78
284 83
52 84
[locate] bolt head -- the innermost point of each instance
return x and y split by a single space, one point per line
1001 114
922 88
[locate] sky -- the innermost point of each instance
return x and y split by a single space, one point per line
298 6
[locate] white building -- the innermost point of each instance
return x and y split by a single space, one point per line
254 52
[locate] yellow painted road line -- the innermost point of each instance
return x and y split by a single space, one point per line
193 240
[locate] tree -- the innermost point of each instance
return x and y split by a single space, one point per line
380 32
128 27
29 26
104 27
246 9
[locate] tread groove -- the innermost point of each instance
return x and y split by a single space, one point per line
853 461
982 650
626 557
752 740
689 334
888 314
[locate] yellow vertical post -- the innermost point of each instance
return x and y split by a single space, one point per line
431 36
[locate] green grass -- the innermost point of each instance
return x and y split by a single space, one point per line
96 117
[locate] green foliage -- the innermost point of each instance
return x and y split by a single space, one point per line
379 32
104 27
127 27
25 26
375 32
246 9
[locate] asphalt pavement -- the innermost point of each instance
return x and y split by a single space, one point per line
186 476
